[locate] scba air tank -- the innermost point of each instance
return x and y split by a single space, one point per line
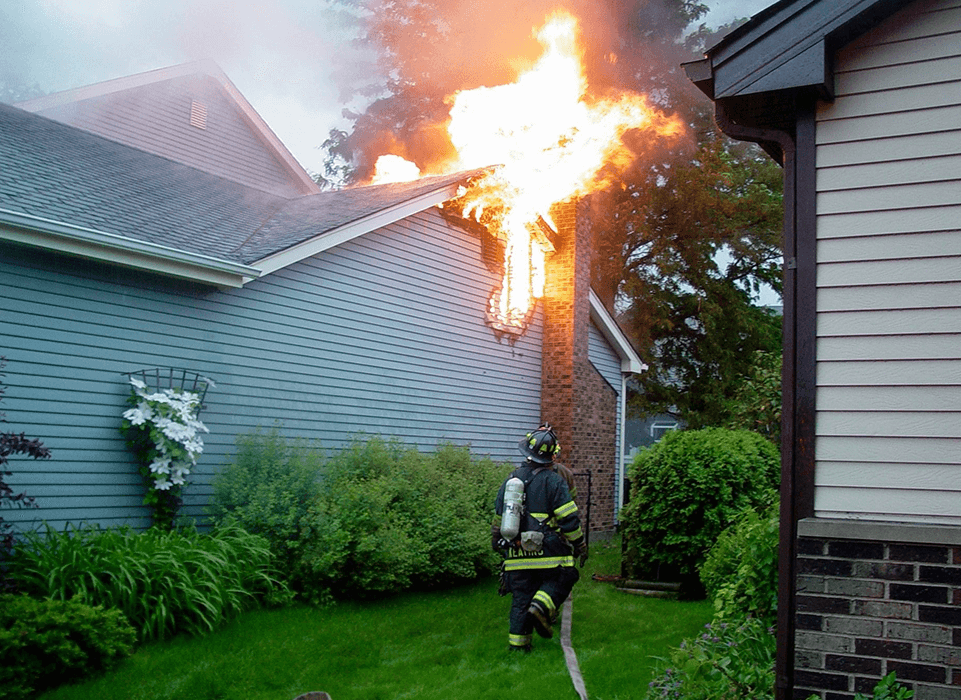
513 508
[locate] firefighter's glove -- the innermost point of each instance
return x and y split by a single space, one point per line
498 543
580 551
502 587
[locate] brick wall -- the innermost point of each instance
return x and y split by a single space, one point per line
575 399
872 599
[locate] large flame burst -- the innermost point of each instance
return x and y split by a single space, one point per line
552 142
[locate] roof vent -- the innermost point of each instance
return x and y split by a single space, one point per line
198 115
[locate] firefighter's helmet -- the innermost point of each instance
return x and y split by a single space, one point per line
540 446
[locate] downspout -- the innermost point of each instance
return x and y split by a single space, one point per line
622 467
784 666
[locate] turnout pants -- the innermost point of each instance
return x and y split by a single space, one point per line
551 587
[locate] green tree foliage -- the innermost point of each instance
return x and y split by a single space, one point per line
757 400
728 661
687 252
685 490
391 518
268 489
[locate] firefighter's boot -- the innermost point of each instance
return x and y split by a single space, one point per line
542 612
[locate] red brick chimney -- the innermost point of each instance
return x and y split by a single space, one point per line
575 398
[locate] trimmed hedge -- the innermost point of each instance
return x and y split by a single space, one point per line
685 490
44 643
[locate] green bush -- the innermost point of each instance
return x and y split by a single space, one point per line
44 643
887 688
740 571
164 582
685 490
390 518
268 489
727 662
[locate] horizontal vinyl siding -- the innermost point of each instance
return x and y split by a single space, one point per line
156 118
382 335
889 274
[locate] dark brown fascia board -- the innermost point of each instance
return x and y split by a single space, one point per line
789 45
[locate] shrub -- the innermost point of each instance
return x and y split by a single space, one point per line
164 582
887 688
268 489
740 571
44 643
726 662
13 444
391 518
685 490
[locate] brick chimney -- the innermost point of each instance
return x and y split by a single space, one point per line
575 398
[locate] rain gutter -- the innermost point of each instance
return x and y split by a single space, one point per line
90 243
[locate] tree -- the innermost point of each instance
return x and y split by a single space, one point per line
757 401
683 240
686 251
426 50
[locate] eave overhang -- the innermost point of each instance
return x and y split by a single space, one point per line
353 229
786 48
96 245
605 323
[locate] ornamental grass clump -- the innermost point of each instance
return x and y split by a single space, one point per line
164 432
164 582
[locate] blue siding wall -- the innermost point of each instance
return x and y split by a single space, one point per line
382 335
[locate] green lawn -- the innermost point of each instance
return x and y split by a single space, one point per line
442 645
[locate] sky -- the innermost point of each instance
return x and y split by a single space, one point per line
287 57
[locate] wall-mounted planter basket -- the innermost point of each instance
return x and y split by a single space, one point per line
160 378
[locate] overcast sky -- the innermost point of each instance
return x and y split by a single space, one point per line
282 55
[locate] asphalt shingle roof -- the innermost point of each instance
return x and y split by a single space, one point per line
53 171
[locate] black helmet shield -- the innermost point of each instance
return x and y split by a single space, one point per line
540 446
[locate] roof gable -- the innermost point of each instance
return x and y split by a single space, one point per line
190 113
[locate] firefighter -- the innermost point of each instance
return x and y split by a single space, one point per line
540 548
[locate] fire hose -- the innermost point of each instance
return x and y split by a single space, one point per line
569 656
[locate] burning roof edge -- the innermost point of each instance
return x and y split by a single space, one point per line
445 188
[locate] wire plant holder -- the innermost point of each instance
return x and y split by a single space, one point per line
160 378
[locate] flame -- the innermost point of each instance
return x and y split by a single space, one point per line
553 142
391 168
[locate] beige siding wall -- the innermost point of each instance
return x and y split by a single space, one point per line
889 273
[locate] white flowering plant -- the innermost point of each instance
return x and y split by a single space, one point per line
163 430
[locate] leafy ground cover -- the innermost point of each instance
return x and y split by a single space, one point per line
428 645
